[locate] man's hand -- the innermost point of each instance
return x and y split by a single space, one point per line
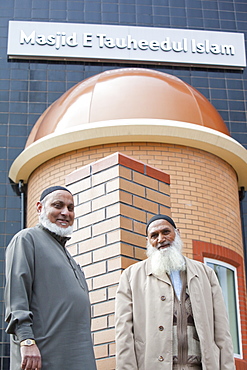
31 358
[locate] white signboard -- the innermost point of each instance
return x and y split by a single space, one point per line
71 41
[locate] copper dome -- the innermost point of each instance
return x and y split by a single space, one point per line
127 93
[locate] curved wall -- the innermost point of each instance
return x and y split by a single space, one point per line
204 188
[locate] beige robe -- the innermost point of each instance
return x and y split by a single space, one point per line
144 303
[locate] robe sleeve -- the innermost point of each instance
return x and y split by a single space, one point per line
18 289
221 325
125 347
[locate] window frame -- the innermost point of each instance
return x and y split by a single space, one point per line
235 274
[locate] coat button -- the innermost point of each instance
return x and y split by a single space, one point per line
161 358
161 328
163 298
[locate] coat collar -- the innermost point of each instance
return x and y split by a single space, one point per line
191 268
148 266
149 272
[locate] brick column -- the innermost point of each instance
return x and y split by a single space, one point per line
114 198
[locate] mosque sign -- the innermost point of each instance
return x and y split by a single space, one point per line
96 42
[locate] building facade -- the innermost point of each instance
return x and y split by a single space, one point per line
30 86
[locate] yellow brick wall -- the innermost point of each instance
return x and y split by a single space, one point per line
113 201
204 189
109 233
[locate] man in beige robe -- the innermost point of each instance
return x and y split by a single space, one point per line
170 312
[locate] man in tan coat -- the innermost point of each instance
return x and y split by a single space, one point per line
170 312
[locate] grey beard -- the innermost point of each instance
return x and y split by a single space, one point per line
44 220
168 259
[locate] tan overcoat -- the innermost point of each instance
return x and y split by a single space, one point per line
144 305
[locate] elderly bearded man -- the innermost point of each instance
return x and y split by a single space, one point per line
170 312
46 295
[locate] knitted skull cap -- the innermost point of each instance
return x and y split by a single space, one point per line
51 189
160 217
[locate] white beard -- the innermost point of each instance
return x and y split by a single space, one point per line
167 259
44 220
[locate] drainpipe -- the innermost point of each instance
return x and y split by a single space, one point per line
241 197
21 188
